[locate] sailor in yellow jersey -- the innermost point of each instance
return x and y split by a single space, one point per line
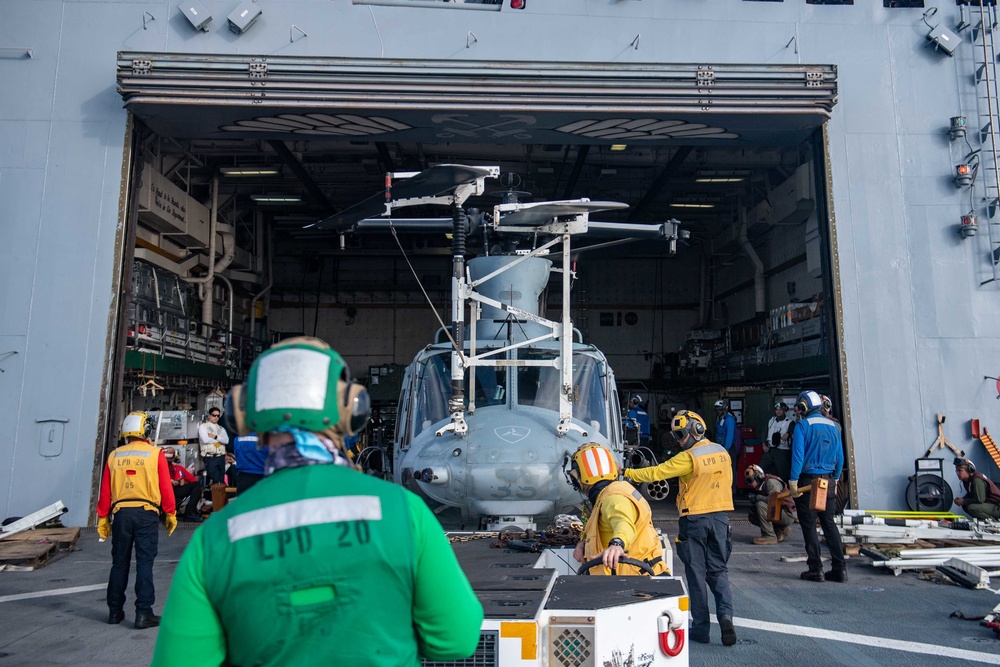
620 522
704 500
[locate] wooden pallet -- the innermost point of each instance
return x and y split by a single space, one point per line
25 555
64 538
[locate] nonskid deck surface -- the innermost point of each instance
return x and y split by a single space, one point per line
56 614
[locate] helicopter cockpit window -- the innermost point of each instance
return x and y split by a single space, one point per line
491 386
538 386
430 401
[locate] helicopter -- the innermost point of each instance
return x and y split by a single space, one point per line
490 413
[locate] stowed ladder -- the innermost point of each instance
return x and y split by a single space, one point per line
990 446
985 57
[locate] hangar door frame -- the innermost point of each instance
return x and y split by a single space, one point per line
291 97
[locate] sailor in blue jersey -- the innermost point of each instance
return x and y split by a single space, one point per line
725 428
817 451
637 413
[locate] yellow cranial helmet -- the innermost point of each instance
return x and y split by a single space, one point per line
594 463
687 422
136 425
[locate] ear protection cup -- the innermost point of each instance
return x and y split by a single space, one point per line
969 466
571 472
690 422
234 411
357 407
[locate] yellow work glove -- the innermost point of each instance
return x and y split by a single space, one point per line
171 524
103 527
627 474
793 489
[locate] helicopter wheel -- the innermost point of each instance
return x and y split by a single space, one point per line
656 491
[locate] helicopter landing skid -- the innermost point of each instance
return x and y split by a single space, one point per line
509 522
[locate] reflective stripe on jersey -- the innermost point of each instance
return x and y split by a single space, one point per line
310 512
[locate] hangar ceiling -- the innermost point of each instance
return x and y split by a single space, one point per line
690 142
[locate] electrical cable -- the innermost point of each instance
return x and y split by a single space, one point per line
926 15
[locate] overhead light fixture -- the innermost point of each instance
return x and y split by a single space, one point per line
196 14
249 171
608 172
276 199
695 201
243 17
940 37
619 147
721 176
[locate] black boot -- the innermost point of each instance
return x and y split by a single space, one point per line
812 575
839 575
146 620
115 617
728 631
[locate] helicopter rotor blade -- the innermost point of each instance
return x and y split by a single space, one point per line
539 214
436 181
664 230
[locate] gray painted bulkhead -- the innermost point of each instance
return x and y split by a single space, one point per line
919 332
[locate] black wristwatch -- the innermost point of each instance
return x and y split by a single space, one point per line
616 542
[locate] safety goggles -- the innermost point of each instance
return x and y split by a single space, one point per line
678 435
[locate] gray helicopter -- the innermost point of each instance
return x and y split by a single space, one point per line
490 413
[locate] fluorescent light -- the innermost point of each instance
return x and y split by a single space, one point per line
275 199
692 205
618 147
728 176
608 172
249 171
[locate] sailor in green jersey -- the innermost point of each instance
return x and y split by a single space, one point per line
317 563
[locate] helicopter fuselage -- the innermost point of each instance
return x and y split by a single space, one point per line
511 460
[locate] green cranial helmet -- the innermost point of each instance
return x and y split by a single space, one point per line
301 382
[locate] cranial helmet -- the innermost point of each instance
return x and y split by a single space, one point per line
808 401
298 382
753 475
969 466
137 425
593 463
636 399
780 406
721 404
686 422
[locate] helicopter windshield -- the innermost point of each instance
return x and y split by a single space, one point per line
434 388
537 386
